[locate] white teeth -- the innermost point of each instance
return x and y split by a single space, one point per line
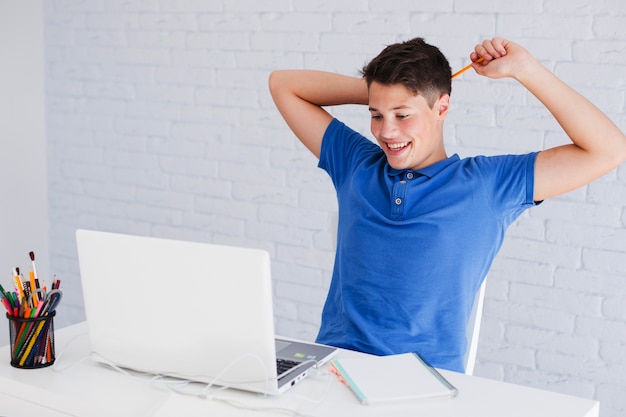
396 146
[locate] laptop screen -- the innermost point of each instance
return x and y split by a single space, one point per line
179 308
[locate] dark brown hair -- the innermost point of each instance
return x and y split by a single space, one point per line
420 67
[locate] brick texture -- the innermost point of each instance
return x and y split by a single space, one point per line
159 122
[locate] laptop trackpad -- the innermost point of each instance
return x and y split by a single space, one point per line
300 352
290 351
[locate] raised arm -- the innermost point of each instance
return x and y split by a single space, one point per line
598 145
300 96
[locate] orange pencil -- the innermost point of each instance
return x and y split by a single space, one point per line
461 71
33 289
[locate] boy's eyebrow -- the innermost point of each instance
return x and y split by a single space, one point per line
400 107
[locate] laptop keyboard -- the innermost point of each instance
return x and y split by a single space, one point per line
283 366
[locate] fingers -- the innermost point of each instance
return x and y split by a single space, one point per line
493 49
490 49
501 58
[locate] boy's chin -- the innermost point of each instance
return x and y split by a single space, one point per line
399 166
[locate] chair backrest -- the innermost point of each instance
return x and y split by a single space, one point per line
473 329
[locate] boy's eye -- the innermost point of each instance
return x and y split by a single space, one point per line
376 116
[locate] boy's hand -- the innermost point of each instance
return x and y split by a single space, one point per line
502 58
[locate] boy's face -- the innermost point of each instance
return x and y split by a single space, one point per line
409 131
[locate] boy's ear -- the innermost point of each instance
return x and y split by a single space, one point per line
444 104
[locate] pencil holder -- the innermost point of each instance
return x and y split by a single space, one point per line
32 341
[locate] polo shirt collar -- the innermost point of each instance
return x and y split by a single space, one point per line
429 171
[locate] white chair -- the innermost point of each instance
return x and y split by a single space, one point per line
473 329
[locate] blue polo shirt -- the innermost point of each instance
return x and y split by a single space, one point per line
413 247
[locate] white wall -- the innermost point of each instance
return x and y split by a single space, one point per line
23 184
159 123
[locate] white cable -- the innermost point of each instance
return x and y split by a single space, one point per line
55 366
233 363
183 386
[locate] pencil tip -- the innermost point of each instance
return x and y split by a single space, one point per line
32 255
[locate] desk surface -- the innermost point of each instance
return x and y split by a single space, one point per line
76 386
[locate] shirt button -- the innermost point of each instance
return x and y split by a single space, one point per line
398 201
409 175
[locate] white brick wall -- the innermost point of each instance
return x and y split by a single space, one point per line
159 122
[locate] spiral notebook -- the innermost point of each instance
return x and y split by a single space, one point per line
384 379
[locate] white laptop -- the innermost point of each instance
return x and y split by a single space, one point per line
196 311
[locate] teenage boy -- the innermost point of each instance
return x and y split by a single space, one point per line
418 229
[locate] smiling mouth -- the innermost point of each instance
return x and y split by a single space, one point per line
397 145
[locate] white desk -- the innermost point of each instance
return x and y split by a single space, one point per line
83 388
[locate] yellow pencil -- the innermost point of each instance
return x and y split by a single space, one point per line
461 71
32 341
